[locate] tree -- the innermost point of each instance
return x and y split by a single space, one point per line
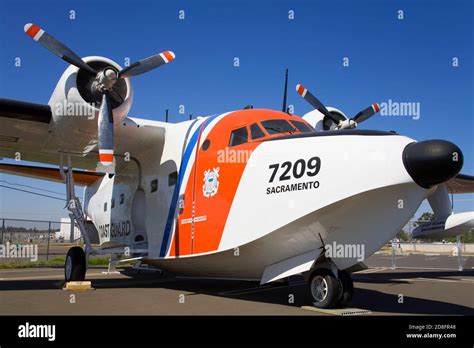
403 236
426 216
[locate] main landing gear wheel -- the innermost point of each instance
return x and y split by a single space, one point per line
324 288
75 265
346 290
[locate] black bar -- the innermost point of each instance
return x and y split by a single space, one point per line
286 330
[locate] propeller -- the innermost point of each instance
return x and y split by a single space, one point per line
315 103
103 83
366 113
106 131
341 124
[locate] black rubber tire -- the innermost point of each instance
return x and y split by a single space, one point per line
77 269
333 288
346 289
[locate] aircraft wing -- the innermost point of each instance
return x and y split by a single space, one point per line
81 177
25 136
447 223
461 184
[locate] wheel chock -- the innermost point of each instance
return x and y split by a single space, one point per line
78 286
338 311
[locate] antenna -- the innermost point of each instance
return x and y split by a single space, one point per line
285 92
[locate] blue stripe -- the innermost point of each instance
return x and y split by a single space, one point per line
182 170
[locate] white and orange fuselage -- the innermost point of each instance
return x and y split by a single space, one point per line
258 209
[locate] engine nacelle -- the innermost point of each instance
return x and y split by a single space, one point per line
322 123
75 105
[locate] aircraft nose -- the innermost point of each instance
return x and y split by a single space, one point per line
432 162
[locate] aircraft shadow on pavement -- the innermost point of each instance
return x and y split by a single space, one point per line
404 277
277 293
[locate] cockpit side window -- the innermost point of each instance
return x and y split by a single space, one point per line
256 131
302 127
278 126
239 136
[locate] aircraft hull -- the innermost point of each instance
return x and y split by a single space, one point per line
339 222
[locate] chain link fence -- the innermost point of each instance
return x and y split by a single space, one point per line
406 252
52 238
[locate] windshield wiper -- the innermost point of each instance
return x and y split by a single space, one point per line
280 130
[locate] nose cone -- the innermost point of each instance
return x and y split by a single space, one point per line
432 162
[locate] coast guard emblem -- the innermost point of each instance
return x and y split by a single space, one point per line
211 182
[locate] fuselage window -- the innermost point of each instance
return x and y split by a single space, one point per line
172 179
205 144
278 126
256 132
302 127
239 136
105 206
154 185
112 203
122 198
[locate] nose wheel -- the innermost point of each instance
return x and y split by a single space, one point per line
75 265
327 291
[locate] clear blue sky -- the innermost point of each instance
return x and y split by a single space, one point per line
405 60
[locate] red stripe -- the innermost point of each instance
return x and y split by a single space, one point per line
106 157
33 30
168 56
376 107
301 90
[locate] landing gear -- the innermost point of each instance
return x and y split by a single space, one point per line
76 259
346 289
75 265
324 288
327 291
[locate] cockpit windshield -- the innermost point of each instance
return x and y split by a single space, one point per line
278 126
302 127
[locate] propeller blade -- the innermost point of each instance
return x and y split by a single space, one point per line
315 103
366 113
106 131
147 64
56 47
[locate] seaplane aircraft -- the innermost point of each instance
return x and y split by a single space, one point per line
253 194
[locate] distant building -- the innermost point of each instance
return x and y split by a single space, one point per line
65 230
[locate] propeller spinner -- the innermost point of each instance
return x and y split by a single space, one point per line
103 83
